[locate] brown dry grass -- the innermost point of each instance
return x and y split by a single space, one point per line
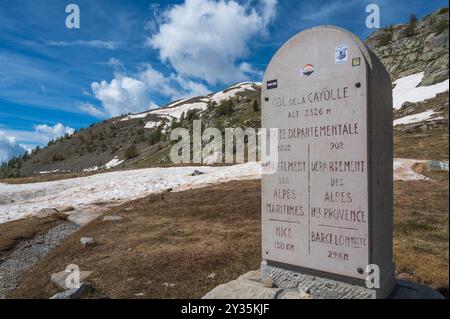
16 231
421 232
46 177
181 238
430 145
178 239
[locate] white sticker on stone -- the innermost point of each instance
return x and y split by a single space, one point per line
340 54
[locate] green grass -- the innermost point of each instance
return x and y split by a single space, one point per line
410 227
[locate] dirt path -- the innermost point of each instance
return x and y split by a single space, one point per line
28 252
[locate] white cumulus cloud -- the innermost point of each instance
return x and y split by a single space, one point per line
173 86
15 142
132 93
205 38
204 41
92 110
9 147
45 133
122 95
189 88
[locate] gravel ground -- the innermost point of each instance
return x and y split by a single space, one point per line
27 253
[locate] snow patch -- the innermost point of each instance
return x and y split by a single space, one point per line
135 116
91 169
177 102
406 89
232 91
403 170
419 117
152 124
113 163
176 111
176 108
18 201
49 172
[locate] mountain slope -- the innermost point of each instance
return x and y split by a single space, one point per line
138 140
415 47
416 55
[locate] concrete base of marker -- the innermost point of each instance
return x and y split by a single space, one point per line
317 287
290 285
327 288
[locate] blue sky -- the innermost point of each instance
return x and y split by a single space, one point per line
129 56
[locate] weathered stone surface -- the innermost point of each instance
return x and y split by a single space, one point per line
242 289
59 278
268 282
294 294
316 287
112 218
82 218
436 77
427 50
327 203
46 212
196 173
254 275
439 105
304 295
74 293
289 294
66 209
246 287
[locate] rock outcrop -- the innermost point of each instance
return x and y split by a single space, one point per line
407 49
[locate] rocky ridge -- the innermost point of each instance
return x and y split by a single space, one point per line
418 46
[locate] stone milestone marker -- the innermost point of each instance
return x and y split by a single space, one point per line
327 211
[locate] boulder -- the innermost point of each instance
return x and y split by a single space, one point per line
268 283
112 218
82 218
304 294
67 209
242 289
74 293
250 286
46 212
431 78
87 241
59 278
196 173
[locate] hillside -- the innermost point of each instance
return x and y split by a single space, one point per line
419 46
415 54
138 140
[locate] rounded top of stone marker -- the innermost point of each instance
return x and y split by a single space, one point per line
340 32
